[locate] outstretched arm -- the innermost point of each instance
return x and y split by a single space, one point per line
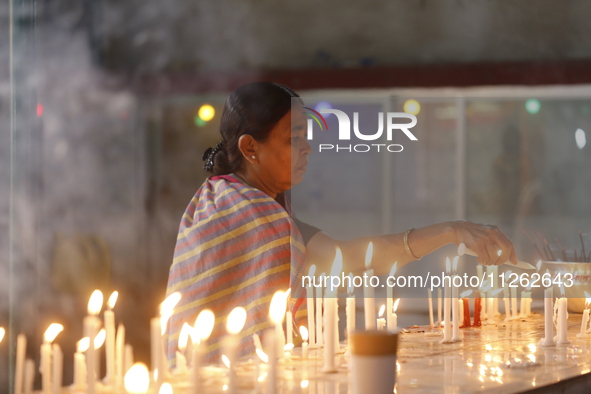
483 239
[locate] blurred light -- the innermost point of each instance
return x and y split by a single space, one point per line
580 138
412 107
199 122
39 110
323 105
533 106
206 112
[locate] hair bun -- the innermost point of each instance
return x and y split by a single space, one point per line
209 154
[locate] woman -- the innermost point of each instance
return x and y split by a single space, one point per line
238 242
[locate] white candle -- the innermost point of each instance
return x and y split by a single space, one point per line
515 311
304 334
273 353
394 315
507 302
128 360
390 300
319 300
447 335
456 315
562 321
495 287
234 325
57 368
439 306
119 355
289 325
368 292
46 356
548 318
110 343
431 322
490 308
584 322
381 324
29 376
91 327
80 364
155 349
330 305
350 311
310 305
201 332
19 375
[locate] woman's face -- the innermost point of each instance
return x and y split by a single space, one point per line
283 156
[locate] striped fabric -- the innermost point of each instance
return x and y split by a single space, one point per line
236 246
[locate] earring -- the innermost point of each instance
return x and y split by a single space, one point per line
254 157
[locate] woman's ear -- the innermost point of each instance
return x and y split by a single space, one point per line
247 145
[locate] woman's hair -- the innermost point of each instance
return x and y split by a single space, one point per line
252 109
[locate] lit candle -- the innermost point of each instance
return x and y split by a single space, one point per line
99 340
350 307
181 359
381 322
330 306
368 292
288 319
439 306
319 300
21 350
234 325
507 298
548 318
389 300
304 334
201 332
119 355
562 319
466 308
91 328
394 315
491 311
46 355
455 306
495 287
29 376
310 305
157 331
137 379
447 306
430 298
110 346
274 347
80 363
57 368
522 304
585 320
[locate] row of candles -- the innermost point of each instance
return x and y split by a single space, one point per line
322 331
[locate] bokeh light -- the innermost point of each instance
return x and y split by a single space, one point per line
533 106
206 112
412 107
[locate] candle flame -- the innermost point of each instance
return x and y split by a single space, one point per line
288 347
312 270
304 384
532 358
184 337
226 360
277 307
262 355
488 347
495 292
95 303
368 255
236 320
447 265
539 265
137 379
100 338
2 333
382 309
167 306
393 270
166 388
304 333
262 377
455 264
52 332
203 326
83 345
395 306
466 294
113 299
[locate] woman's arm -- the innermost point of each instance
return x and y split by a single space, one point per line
483 239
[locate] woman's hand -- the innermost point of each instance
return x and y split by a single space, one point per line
486 241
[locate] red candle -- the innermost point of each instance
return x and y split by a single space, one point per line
477 310
466 322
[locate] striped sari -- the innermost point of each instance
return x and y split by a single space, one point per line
236 246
